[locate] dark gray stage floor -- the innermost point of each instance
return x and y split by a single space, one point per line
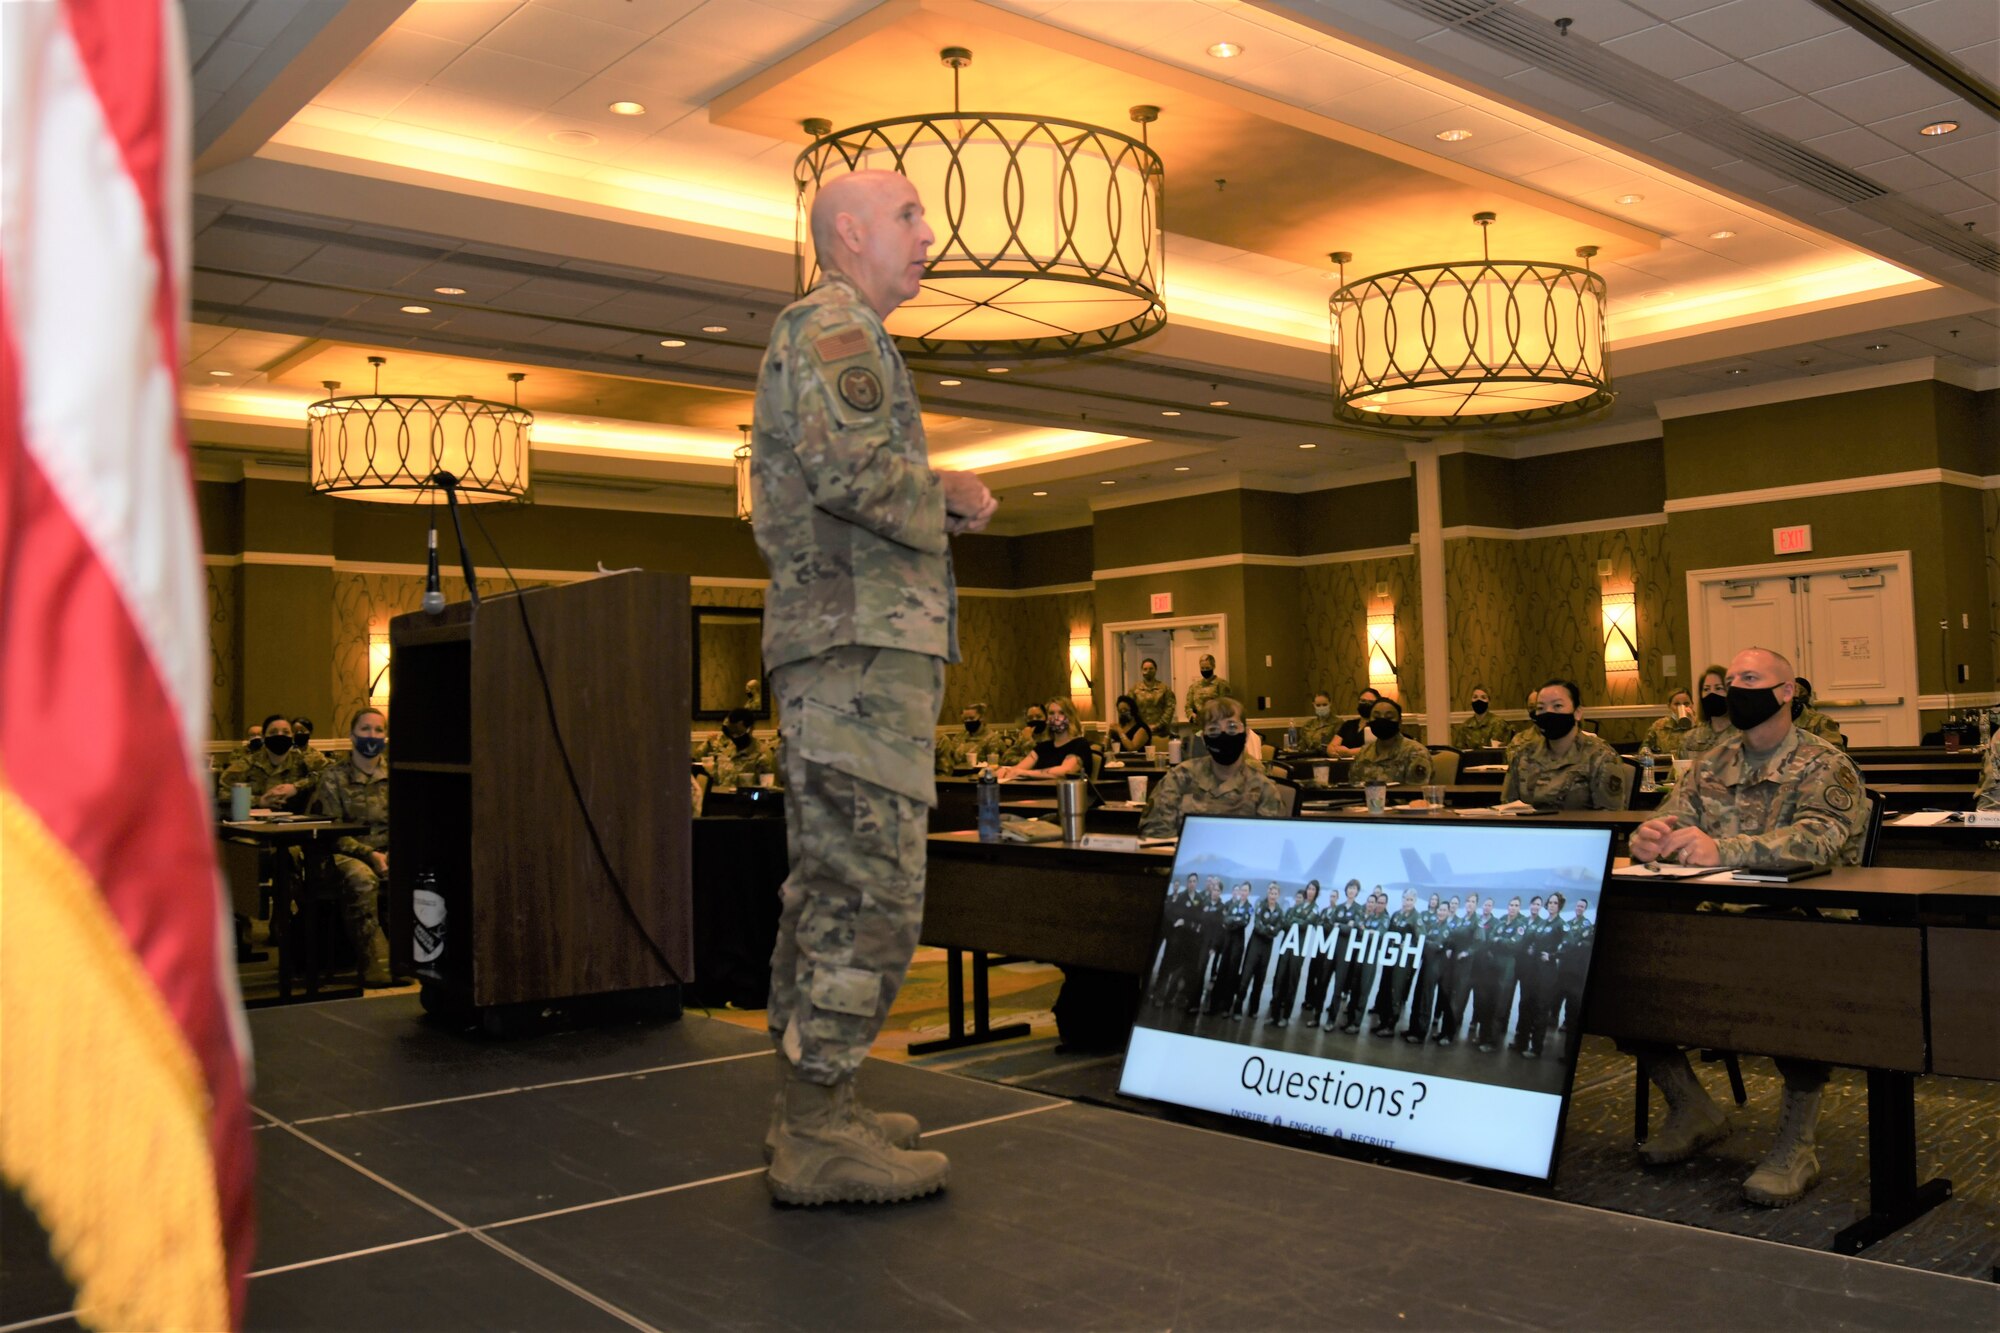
414 1179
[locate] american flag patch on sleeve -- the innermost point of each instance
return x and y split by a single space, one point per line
840 345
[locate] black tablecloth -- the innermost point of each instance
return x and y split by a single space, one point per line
739 867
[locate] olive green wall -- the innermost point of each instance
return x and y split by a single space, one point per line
1892 429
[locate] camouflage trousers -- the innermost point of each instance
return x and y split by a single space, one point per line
360 886
857 725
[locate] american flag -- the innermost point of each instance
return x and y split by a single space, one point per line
123 1058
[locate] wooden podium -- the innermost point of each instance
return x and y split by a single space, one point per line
482 807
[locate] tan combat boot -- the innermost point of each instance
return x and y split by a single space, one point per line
371 950
1693 1119
827 1153
902 1131
1792 1166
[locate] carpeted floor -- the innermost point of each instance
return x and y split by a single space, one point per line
1958 1129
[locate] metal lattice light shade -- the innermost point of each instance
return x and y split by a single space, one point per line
1470 345
389 447
1048 230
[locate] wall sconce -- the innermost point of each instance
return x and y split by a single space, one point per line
1621 629
1382 651
745 500
378 668
1080 683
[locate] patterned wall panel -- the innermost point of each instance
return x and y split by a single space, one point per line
1335 601
224 582
1015 651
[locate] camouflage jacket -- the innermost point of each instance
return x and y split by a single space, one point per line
1989 778
1481 731
849 516
1197 787
1801 802
1527 733
1019 743
1315 733
740 768
1590 777
987 747
264 771
1668 735
1701 738
347 794
1398 762
1820 725
1201 692
1156 704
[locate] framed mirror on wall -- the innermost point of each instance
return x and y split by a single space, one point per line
728 646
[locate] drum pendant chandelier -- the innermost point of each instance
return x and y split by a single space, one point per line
1048 231
1471 345
391 448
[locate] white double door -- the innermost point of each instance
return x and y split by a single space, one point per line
1176 647
1847 625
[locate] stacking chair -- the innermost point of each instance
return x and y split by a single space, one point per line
1444 765
1633 771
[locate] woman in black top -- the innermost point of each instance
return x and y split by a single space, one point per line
1128 730
1064 754
1353 734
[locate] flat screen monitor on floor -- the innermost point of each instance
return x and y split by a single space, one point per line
1408 983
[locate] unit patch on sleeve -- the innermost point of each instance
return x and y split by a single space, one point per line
859 388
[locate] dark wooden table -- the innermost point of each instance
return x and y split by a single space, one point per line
1905 796
303 882
1665 971
1953 773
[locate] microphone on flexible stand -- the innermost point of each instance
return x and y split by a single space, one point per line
433 594
449 484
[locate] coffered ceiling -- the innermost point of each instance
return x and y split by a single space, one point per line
445 183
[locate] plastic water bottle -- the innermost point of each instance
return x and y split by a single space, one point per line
1174 751
1291 738
428 937
1646 768
989 807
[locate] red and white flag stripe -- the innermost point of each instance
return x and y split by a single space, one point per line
123 1072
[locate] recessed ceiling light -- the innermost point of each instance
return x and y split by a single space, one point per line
1218 402
1182 469
949 384
1938 127
1720 235
449 291
1740 370
1107 483
1169 414
672 342
1038 492
1878 347
416 310
1225 50
222 374
1631 198
573 138
627 108
996 370
715 328
1454 136
1308 445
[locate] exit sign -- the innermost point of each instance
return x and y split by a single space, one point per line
1791 541
1163 603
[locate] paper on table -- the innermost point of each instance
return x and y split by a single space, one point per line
1924 818
1486 768
1657 870
1504 810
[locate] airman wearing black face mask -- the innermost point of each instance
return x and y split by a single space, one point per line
1713 703
1352 732
1217 783
1565 767
277 775
1028 737
1809 719
1482 730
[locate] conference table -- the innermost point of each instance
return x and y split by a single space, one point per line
1927 942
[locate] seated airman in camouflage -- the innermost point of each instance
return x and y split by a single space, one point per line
357 792
1713 725
738 758
277 774
302 734
1217 783
1316 731
970 742
1483 730
1565 767
1988 795
1807 718
1763 794
1391 757
1669 733
1023 742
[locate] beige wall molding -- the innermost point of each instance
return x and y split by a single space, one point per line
1248 481
1270 561
1805 490
1823 386
301 559
1465 530
1046 590
1959 699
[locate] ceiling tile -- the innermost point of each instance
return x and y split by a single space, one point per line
568 41
363 92
507 78
1126 23
1737 87
1799 117
1540 85
402 53
208 18
833 13
1456 47
224 63
1631 126
1964 157
1983 60
1673 10
1948 197
670 68
265 20
1667 51
646 19
1520 155
461 113
592 102
745 29
461 21
1751 27
1384 106
1953 25
1688 149
1309 77
1839 57
1598 21
1880 96
611 139
1187 45
1854 147
1906 172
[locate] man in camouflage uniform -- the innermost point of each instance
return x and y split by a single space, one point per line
1210 686
302 734
860 619
1391 757
1483 730
1216 783
1155 700
1807 718
278 774
357 792
253 743
1669 733
1320 728
971 742
1988 795
737 758
1526 732
1033 732
1765 793
1565 767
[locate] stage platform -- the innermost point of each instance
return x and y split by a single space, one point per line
412 1178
